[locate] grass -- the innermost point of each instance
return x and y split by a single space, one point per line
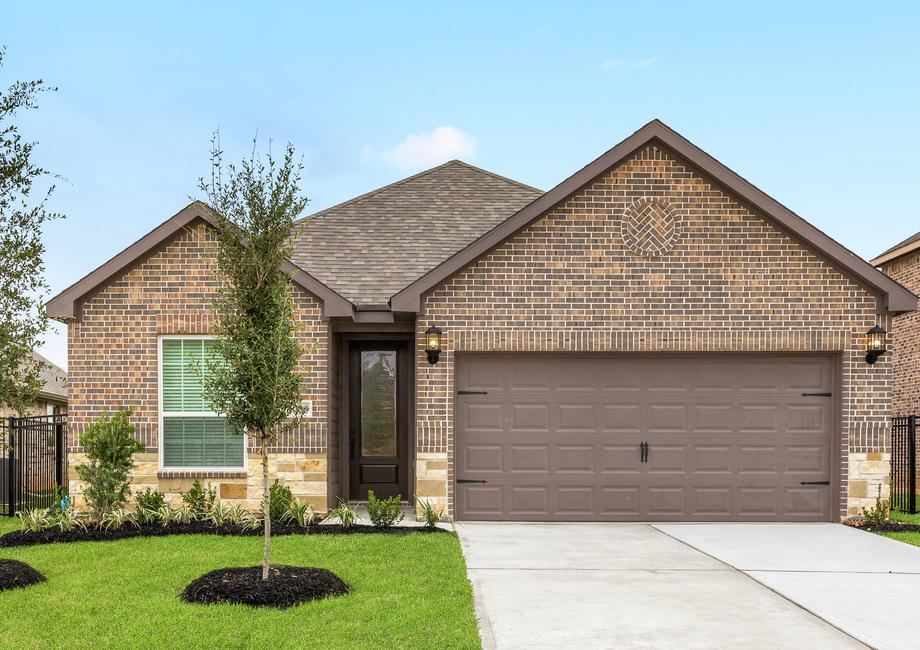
907 538
407 591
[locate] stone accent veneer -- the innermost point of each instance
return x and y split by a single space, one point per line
112 348
731 282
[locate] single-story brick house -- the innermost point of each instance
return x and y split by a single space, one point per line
52 398
653 338
901 262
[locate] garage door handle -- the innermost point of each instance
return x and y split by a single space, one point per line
470 480
815 483
816 394
472 392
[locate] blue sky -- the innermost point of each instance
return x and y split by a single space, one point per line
815 103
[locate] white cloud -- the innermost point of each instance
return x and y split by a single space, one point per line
644 63
439 145
612 63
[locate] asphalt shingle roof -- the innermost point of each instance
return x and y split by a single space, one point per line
371 247
53 378
909 240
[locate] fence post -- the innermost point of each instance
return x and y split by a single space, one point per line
912 455
58 451
10 468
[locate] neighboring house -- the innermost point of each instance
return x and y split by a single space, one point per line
52 399
902 263
653 338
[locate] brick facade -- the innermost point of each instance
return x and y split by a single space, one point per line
113 363
905 340
719 278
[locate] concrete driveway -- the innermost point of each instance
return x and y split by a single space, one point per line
866 585
624 586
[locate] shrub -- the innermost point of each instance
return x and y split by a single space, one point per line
300 514
118 518
163 515
384 512
60 499
151 500
280 499
200 499
35 520
65 520
109 446
344 513
430 514
184 514
219 514
877 515
242 518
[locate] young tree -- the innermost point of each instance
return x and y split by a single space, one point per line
110 446
255 385
22 318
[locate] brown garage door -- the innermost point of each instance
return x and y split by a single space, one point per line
727 437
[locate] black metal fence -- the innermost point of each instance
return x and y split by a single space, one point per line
34 463
904 463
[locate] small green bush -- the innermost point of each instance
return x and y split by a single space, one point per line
219 514
151 500
430 514
300 514
65 520
344 513
877 515
35 520
109 445
280 499
200 499
384 512
118 518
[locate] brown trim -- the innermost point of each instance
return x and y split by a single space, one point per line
892 296
65 305
895 253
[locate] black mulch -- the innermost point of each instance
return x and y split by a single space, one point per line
15 574
26 538
286 586
893 527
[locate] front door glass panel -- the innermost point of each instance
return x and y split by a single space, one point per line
378 403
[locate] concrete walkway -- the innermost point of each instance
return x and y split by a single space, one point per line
623 586
864 584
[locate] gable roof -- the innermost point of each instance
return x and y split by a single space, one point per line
372 246
890 295
901 249
54 380
66 304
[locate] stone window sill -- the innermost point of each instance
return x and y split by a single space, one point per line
196 473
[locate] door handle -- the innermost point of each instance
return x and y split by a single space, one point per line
815 483
643 452
470 480
351 443
472 392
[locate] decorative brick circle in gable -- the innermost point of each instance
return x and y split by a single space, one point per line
649 227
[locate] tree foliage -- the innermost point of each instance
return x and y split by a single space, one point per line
22 215
256 384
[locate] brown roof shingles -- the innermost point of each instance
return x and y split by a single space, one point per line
369 248
54 380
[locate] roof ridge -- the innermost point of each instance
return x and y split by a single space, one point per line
367 195
413 177
497 176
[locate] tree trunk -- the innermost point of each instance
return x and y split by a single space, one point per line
266 510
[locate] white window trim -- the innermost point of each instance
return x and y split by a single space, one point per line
187 414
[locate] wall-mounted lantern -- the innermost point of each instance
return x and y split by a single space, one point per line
875 344
433 343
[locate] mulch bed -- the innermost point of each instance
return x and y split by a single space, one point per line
286 586
893 527
15 575
26 538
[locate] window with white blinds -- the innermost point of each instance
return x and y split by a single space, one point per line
192 434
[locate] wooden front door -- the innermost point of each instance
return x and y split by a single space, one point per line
378 418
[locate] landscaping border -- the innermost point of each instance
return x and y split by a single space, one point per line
28 538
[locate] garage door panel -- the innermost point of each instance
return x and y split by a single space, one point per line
729 438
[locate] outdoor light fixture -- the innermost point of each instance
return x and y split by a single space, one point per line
433 343
875 344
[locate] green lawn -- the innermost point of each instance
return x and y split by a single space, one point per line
408 591
907 538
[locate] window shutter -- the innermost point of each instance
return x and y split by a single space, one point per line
201 442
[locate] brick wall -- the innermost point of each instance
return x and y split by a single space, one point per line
905 340
690 270
112 350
